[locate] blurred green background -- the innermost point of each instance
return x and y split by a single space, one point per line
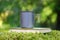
44 10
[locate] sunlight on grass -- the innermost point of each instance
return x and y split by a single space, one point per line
1 22
43 18
53 18
4 27
47 11
4 15
29 8
23 9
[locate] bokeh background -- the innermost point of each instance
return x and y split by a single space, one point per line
44 10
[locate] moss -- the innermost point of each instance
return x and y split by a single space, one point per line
53 35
